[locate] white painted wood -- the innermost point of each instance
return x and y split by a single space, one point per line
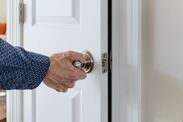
118 106
77 25
126 61
14 98
134 61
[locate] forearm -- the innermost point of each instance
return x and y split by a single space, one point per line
20 69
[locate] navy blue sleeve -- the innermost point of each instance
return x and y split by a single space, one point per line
21 69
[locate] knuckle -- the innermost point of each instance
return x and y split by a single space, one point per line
54 57
65 90
73 76
71 85
81 73
83 76
69 53
73 72
58 90
54 60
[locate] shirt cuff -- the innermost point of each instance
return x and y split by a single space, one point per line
37 70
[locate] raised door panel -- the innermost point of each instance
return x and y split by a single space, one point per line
55 12
67 106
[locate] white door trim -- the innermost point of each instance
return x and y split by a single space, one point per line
126 61
14 97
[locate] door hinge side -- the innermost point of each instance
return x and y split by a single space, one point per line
21 12
105 63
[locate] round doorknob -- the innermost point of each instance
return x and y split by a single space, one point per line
88 65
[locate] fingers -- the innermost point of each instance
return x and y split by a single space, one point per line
61 74
72 56
79 74
58 87
50 85
70 72
69 84
63 82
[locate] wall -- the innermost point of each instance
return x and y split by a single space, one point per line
162 56
2 10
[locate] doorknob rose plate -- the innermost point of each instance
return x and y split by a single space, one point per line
88 65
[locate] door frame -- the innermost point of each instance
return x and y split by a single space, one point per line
14 97
126 61
126 69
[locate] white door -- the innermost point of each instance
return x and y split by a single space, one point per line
53 26
162 57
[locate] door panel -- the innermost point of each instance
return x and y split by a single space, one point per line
162 43
54 26
57 12
69 106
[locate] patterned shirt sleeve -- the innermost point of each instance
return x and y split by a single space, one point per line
21 69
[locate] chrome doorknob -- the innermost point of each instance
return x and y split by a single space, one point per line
88 65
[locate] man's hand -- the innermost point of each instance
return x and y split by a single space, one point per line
61 73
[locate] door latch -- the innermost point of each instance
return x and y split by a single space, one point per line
104 63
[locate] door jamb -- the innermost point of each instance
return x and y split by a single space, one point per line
126 70
14 97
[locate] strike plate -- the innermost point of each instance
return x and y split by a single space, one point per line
104 63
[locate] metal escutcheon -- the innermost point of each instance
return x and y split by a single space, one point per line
88 65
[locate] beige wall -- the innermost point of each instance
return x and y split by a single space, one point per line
2 10
162 43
